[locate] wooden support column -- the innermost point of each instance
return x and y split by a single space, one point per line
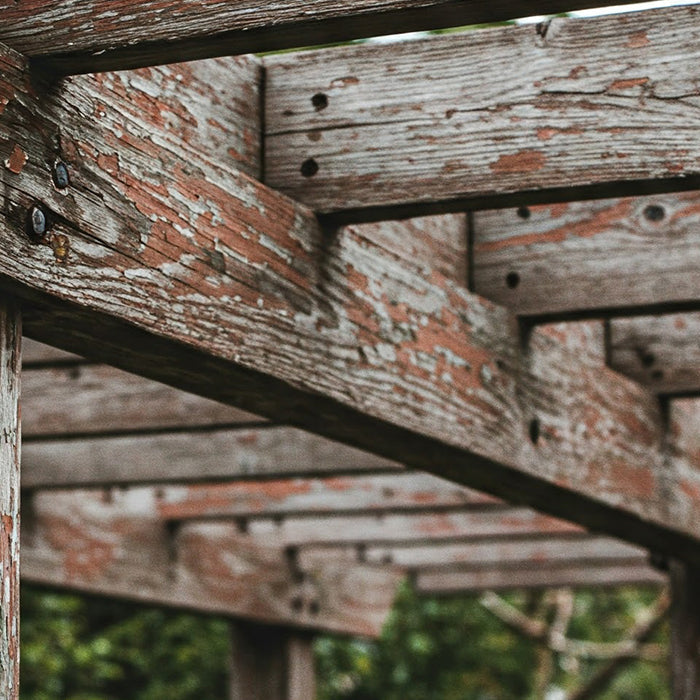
10 339
271 663
685 631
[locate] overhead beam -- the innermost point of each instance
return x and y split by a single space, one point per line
333 333
604 257
192 456
10 348
87 36
116 547
573 109
459 582
662 352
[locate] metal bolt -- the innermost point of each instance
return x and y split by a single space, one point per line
36 223
60 175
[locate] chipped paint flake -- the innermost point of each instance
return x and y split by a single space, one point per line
17 160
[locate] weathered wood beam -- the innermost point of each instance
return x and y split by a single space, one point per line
161 261
613 256
10 342
363 531
685 631
545 550
575 109
114 546
458 582
662 352
82 36
271 663
186 456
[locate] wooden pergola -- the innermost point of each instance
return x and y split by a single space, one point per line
435 302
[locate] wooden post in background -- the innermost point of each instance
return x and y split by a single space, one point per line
685 631
10 340
271 663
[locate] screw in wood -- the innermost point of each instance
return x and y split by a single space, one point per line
60 175
37 223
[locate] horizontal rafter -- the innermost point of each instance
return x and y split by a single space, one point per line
116 547
82 36
516 115
162 261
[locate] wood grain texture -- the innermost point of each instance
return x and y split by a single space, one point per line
82 36
390 493
363 530
188 272
662 352
513 115
10 351
458 582
114 546
685 632
172 457
587 258
545 551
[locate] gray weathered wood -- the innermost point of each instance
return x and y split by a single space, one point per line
579 108
81 36
662 352
685 631
10 342
172 457
458 582
329 332
587 258
115 545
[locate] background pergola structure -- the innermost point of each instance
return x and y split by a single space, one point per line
245 229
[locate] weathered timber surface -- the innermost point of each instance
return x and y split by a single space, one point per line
87 399
350 494
188 272
112 545
363 530
458 581
10 342
82 36
494 117
685 631
545 551
662 352
172 457
606 256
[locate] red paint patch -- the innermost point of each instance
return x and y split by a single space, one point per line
627 84
16 161
521 162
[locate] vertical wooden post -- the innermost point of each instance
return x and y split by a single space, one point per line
10 341
271 663
685 631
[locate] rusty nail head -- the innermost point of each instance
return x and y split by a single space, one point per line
60 175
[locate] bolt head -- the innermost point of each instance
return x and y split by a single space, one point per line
38 222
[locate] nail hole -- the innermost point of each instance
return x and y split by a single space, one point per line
309 167
387 559
657 375
297 604
361 553
648 359
534 431
319 101
242 525
314 607
512 280
654 213
500 364
388 492
524 212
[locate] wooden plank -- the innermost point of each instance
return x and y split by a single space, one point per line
171 457
364 530
390 493
89 400
10 342
301 673
328 332
85 36
113 545
662 352
586 258
580 576
516 115
685 632
543 550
